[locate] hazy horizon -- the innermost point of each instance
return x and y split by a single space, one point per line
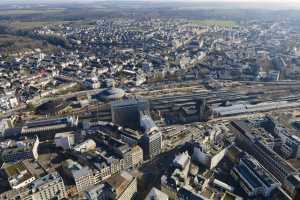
205 1
204 4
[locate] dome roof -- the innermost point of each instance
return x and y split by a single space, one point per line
110 94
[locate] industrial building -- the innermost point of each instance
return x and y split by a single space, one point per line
46 129
239 109
270 160
289 143
253 178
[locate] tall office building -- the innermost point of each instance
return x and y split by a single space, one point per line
203 110
152 144
126 113
135 114
152 138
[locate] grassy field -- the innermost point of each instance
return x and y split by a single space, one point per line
34 24
29 11
21 25
15 44
221 23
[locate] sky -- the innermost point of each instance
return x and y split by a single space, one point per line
248 1
209 4
88 1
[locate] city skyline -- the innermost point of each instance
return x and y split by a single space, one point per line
205 1
149 99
